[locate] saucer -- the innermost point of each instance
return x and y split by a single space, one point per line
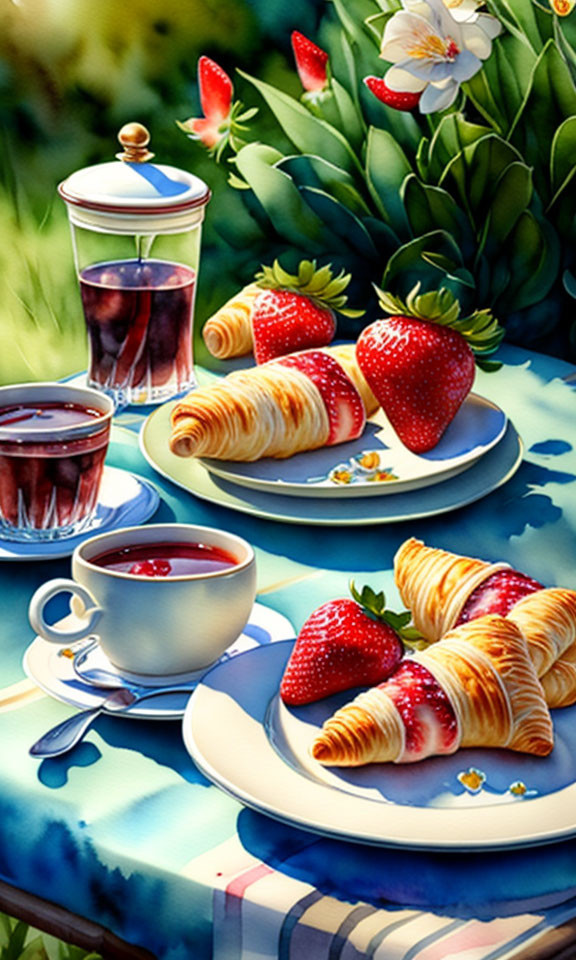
53 671
125 500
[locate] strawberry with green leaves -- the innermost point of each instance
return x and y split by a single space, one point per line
297 312
420 362
344 643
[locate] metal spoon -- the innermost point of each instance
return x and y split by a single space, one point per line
67 734
109 680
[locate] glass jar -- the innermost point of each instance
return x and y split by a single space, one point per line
136 229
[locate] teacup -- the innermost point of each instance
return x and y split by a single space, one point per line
149 619
53 443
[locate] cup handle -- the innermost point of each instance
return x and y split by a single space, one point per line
92 612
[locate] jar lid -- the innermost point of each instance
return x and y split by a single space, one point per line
132 195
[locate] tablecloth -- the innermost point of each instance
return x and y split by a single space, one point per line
127 832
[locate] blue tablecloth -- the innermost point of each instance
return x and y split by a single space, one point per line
127 832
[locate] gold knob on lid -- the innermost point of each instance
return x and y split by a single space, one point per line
135 139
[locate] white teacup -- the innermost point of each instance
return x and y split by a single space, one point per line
153 624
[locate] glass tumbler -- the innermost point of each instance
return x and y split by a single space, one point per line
53 444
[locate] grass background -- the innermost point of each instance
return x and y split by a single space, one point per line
72 72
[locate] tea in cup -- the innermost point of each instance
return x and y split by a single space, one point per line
162 599
53 443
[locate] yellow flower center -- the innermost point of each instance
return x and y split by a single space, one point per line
430 46
562 7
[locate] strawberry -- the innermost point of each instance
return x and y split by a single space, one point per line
421 370
344 643
497 594
284 321
429 720
311 63
398 99
344 406
296 311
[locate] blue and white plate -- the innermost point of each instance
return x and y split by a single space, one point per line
489 472
125 500
259 751
50 666
375 464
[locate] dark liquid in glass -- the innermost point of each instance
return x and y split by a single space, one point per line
139 321
50 483
166 559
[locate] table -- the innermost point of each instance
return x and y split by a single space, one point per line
126 833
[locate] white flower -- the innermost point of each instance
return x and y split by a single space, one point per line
433 51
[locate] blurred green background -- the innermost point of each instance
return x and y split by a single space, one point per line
72 72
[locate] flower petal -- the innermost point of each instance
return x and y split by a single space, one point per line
401 33
429 71
490 25
476 40
438 98
403 81
465 66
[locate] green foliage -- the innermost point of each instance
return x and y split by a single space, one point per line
19 941
479 201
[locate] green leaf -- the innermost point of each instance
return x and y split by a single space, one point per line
550 100
569 283
524 20
498 90
280 198
533 255
309 171
566 48
341 221
432 208
512 195
351 120
386 170
452 135
562 207
309 134
407 266
475 172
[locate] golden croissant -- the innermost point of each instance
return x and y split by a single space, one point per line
444 590
477 687
301 402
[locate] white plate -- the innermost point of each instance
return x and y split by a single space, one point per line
125 500
259 753
490 472
53 671
375 464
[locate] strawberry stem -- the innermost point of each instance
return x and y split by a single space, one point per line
374 606
481 329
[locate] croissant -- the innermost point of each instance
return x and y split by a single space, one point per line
435 584
306 400
477 687
559 682
228 333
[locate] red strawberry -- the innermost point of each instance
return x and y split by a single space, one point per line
310 63
420 373
498 594
343 644
297 311
399 99
429 720
344 406
284 321
216 92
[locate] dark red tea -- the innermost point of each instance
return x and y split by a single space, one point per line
50 480
166 559
139 316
